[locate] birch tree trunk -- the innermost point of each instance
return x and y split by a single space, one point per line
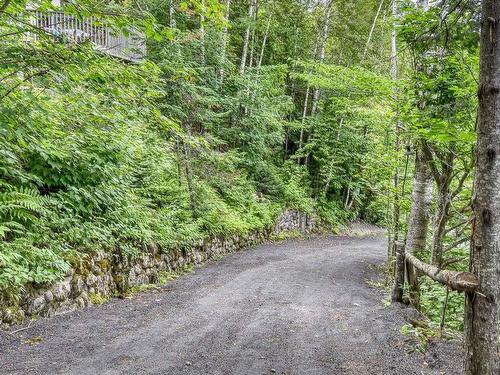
424 4
224 42
482 310
246 39
418 221
171 14
305 108
370 34
303 120
202 34
264 40
322 49
187 166
179 161
421 204
397 141
252 39
321 58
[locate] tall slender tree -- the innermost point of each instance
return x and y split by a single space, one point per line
418 221
264 40
225 31
397 140
202 34
171 14
482 312
322 50
246 39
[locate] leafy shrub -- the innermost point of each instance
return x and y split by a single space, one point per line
433 296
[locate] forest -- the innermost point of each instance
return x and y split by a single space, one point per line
227 112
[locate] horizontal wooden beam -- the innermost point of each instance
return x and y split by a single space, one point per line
456 280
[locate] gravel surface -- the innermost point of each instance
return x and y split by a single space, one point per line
299 307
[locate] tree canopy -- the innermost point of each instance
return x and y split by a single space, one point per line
235 110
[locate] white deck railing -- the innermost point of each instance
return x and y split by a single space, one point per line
131 47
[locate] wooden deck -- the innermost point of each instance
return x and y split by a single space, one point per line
74 29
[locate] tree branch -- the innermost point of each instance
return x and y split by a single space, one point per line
450 261
455 244
459 281
426 149
457 226
4 6
9 91
460 184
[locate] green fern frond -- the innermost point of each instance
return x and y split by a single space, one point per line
19 205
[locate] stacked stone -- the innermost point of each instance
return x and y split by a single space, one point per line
106 274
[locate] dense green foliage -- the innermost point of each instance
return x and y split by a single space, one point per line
101 154
439 109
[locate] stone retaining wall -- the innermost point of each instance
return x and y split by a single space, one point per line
105 275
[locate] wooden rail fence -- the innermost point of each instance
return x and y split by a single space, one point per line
454 280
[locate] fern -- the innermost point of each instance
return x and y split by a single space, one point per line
19 207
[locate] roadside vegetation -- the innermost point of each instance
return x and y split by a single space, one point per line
238 109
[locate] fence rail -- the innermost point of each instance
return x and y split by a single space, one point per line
454 280
74 29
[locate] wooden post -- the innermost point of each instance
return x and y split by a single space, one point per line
399 272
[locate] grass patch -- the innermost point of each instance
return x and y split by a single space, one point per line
98 298
167 276
287 235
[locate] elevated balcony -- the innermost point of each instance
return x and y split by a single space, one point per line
74 29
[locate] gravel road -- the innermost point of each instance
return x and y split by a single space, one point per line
299 307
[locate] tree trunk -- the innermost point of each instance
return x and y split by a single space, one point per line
286 144
253 37
179 161
424 4
482 311
419 219
246 38
399 276
189 175
370 34
224 42
202 34
397 142
171 14
306 104
322 49
420 209
264 41
443 204
304 115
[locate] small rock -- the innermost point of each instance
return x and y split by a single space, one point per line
8 316
80 302
188 363
273 371
37 305
91 279
48 296
78 285
61 291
